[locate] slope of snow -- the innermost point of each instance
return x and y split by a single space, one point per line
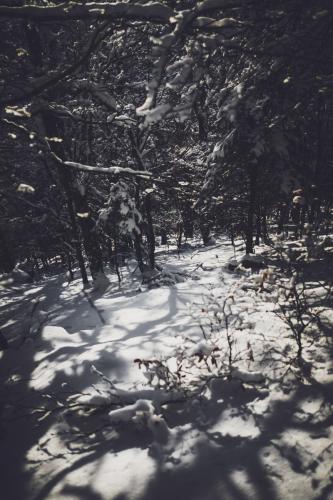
257 434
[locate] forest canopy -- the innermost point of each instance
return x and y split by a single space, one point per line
127 121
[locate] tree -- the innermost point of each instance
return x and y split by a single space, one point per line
208 116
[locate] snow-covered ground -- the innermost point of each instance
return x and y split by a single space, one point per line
238 425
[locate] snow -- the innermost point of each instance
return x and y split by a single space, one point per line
154 115
246 376
129 412
25 188
88 414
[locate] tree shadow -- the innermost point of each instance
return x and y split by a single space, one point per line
222 466
220 459
22 429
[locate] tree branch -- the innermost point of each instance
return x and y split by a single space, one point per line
156 12
39 88
80 166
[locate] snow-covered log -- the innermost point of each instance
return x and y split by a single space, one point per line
246 376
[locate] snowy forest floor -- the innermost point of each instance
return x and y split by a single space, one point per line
264 433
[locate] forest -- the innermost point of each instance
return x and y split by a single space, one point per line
166 250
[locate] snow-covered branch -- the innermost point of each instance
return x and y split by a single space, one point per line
154 12
67 11
105 170
80 166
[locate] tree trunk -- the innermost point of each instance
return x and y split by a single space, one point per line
150 232
150 228
164 237
63 175
251 209
179 235
89 235
283 217
264 226
116 263
258 230
138 252
69 266
188 229
199 106
205 233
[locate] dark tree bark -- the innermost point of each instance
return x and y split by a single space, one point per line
283 217
205 233
7 258
65 179
201 117
164 237
264 225
251 209
87 224
179 235
138 252
116 262
188 230
89 235
150 231
148 209
258 230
